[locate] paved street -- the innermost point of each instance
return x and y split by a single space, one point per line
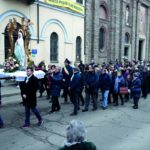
117 128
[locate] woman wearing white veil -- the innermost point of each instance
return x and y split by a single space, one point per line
19 49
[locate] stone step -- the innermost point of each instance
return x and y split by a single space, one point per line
9 90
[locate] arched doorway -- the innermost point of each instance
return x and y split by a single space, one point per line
10 39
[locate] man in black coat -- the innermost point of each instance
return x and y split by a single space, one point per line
91 88
29 97
75 89
105 85
67 72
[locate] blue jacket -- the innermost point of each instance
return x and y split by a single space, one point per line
91 82
105 82
136 86
119 82
75 83
66 76
56 84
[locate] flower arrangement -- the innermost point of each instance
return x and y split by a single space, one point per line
11 65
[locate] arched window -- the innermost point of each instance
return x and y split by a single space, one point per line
54 47
78 48
101 38
127 38
103 12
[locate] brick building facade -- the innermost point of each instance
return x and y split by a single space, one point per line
116 29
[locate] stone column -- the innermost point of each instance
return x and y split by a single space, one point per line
117 29
137 30
122 29
88 30
134 26
112 30
148 34
96 31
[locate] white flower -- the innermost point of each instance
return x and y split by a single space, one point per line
17 65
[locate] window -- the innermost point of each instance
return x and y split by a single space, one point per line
101 38
54 47
127 38
103 12
80 1
78 48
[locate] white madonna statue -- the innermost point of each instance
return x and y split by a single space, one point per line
19 50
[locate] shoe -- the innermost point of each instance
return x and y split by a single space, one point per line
1 126
104 108
94 109
84 110
135 107
40 123
58 109
51 111
25 126
122 104
47 97
39 96
73 114
115 104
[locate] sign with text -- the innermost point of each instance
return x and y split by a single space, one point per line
34 51
67 4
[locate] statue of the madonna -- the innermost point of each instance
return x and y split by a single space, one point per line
19 50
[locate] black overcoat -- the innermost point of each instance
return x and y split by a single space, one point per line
29 89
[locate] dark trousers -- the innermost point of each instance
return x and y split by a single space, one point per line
1 121
42 86
110 96
144 91
116 98
81 98
74 100
136 101
66 93
87 100
27 114
55 103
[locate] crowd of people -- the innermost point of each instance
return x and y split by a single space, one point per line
109 82
84 84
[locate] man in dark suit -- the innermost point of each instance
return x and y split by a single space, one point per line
67 72
91 88
29 97
75 89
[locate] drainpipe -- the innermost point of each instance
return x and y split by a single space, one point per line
38 21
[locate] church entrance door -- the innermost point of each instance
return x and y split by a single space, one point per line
141 51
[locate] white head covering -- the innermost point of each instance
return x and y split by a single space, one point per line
19 49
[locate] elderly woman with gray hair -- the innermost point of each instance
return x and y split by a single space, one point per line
76 137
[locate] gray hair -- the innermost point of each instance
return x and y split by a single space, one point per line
75 132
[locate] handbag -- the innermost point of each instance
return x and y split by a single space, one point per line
123 90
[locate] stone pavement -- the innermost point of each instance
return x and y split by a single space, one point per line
117 128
